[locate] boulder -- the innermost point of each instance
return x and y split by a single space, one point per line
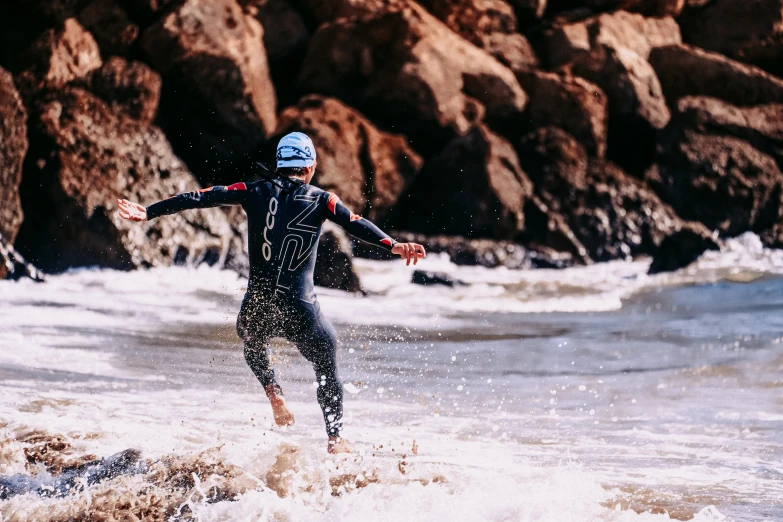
490 25
761 126
108 22
425 278
745 30
408 70
721 181
570 103
637 107
611 214
474 188
618 216
682 248
131 87
83 156
13 147
60 55
621 29
687 71
368 169
218 98
334 262
547 232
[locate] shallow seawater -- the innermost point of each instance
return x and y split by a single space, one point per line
595 393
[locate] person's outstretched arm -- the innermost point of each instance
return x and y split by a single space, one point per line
366 230
204 198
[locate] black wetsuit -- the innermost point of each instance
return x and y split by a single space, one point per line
284 224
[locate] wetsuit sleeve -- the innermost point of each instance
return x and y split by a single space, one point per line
356 225
209 197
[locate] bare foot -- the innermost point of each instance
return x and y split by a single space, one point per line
283 416
338 445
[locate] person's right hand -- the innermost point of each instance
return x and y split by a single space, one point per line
409 252
131 211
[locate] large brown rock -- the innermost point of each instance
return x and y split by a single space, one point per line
406 68
13 147
568 102
687 71
761 126
611 214
621 29
60 55
366 168
474 188
108 22
131 87
218 97
83 156
741 167
637 107
490 25
721 181
745 30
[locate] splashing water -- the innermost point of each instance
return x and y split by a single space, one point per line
632 397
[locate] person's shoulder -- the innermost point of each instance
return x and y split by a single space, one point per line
312 190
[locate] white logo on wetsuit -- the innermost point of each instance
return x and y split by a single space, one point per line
270 224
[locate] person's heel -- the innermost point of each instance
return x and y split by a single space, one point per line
283 416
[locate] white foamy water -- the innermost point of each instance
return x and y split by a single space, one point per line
594 393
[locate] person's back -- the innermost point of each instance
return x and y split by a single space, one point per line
285 214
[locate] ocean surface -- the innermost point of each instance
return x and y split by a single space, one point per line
587 394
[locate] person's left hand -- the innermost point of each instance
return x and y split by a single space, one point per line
409 252
131 211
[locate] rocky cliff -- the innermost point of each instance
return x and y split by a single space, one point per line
564 131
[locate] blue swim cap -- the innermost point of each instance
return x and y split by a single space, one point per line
295 150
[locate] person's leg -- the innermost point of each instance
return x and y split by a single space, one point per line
317 342
255 325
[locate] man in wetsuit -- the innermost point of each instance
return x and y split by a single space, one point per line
285 214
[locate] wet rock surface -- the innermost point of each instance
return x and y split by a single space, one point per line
475 187
219 99
83 156
688 71
611 214
368 169
404 67
13 147
718 164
